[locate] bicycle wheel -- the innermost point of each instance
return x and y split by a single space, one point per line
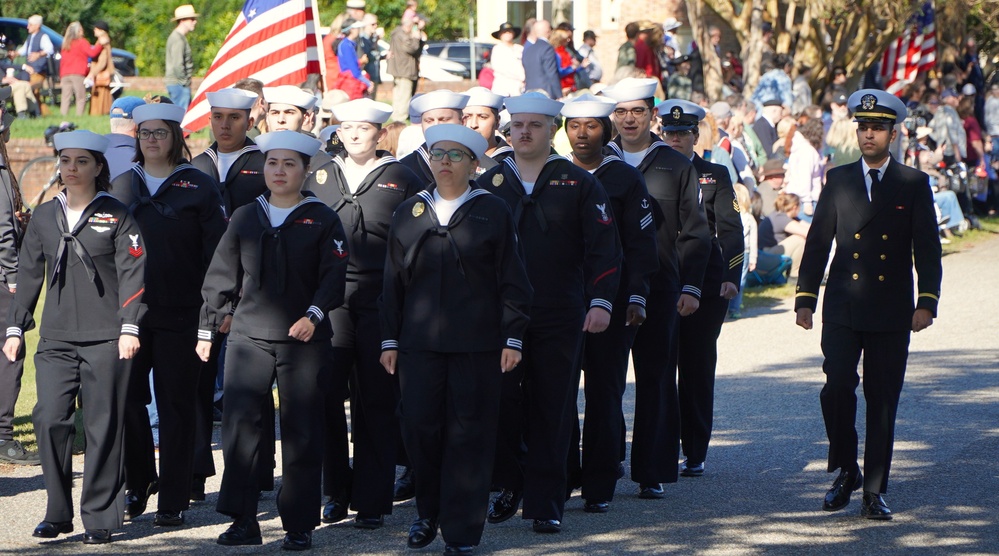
37 180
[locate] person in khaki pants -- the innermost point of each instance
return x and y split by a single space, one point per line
404 65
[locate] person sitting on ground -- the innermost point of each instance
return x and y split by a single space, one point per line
782 233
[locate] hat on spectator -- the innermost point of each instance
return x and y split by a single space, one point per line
291 140
290 94
773 102
184 12
948 93
80 139
123 107
459 134
504 27
671 23
772 168
632 88
588 106
356 4
349 24
533 103
327 133
678 114
237 99
165 112
839 98
435 100
481 96
872 105
721 110
968 90
363 110
923 131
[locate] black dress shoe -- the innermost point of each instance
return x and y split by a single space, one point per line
874 507
422 533
242 532
168 519
692 469
458 549
547 526
135 500
596 507
297 541
334 511
198 489
504 506
405 486
838 496
97 536
652 491
52 529
369 521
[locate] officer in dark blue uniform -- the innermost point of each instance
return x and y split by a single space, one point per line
697 348
880 213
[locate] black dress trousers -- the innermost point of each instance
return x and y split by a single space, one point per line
697 359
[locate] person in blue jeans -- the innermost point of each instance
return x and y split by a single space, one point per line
179 67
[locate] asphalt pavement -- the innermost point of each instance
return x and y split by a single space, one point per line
765 479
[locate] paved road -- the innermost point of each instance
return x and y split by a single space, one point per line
765 477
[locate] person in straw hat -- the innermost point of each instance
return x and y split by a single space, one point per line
179 65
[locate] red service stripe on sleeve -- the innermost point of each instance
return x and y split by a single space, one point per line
131 299
604 275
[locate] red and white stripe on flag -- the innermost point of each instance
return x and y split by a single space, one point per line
914 52
275 41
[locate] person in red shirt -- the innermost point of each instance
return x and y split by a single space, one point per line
76 55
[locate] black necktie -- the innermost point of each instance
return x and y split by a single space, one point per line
875 184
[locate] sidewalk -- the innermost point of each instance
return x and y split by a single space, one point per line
765 479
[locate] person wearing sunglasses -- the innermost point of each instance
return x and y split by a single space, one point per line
684 244
179 210
455 307
697 346
605 355
364 186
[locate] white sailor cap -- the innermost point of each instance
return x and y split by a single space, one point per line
237 99
291 140
327 133
157 111
678 114
363 110
459 134
437 99
632 88
290 94
533 103
588 106
872 105
481 96
331 99
80 139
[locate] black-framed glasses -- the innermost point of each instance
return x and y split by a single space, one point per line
454 155
159 134
637 112
678 133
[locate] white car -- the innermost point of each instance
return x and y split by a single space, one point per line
432 68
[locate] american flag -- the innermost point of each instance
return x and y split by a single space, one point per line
275 41
914 52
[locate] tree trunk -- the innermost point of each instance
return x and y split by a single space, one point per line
710 62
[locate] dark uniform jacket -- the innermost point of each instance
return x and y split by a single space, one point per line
722 211
503 151
571 246
245 180
632 211
181 224
682 235
10 228
870 279
294 270
93 273
366 214
419 162
455 288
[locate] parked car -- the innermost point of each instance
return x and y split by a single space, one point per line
432 68
16 29
460 52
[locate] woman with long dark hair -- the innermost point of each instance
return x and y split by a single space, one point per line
87 250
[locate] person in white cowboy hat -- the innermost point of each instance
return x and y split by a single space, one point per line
179 65
684 245
881 214
292 108
589 130
697 347
481 114
364 185
669 34
288 253
159 188
433 108
573 257
454 355
233 159
87 247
